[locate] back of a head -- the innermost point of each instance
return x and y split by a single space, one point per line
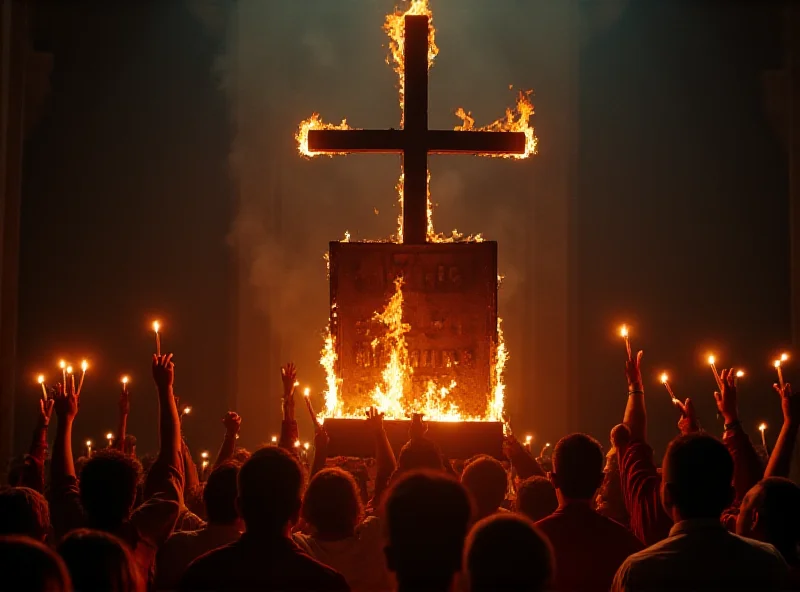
270 490
696 477
777 503
108 483
578 463
536 498
427 516
24 511
99 561
487 482
332 503
419 454
30 565
507 552
219 494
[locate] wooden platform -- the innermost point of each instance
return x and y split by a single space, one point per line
458 440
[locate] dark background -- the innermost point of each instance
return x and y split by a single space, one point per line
681 218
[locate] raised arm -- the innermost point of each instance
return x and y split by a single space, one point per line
232 423
122 423
780 460
62 466
321 441
521 460
635 417
33 467
384 455
289 432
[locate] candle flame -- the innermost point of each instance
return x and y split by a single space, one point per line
740 373
306 391
664 378
124 380
784 357
528 439
623 332
84 365
89 443
274 439
62 364
777 363
156 326
711 360
762 427
40 379
547 445
296 383
187 410
306 445
205 464
109 436
297 443
204 455
69 369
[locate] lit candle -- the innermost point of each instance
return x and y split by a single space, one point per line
71 379
712 362
204 455
763 428
156 327
528 440
306 393
544 450
40 380
205 465
739 374
88 448
274 439
777 365
84 368
297 443
186 411
63 365
624 334
306 445
110 438
124 381
665 382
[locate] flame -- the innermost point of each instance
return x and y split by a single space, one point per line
109 436
40 379
664 378
711 360
156 326
333 406
517 119
623 331
740 374
784 357
777 363
315 123
84 365
762 427
395 28
496 405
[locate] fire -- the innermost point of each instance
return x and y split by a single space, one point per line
333 405
315 123
497 403
517 119
395 27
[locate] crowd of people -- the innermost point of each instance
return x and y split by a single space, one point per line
712 517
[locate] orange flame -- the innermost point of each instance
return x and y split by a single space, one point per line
517 119
315 123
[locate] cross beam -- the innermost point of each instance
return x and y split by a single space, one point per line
415 141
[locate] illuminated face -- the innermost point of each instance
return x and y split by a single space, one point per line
745 521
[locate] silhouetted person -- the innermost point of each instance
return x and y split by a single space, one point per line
339 535
699 554
536 498
487 481
98 561
507 552
427 517
29 565
224 526
265 557
770 512
588 547
24 511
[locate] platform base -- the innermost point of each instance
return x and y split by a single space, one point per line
457 440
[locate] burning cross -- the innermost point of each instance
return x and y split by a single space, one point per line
415 141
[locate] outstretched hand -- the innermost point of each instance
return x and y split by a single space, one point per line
633 373
727 403
790 404
232 423
375 420
163 371
66 403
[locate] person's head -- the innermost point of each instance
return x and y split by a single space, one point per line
486 480
332 504
770 512
99 561
536 498
30 565
507 552
419 453
270 491
427 516
219 494
108 488
577 467
240 455
24 511
696 478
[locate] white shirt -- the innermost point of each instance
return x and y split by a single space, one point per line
702 555
359 558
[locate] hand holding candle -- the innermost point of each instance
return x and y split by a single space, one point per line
40 380
314 420
712 362
779 367
624 334
157 328
84 368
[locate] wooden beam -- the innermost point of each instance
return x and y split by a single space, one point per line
375 141
452 142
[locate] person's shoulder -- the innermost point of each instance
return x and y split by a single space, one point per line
761 549
370 528
204 570
619 531
549 522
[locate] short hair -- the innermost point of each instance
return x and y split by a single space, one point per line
507 552
270 489
100 561
108 487
778 503
219 493
30 565
332 503
697 473
536 498
420 453
486 480
578 466
24 511
427 516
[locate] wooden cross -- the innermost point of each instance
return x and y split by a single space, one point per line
415 141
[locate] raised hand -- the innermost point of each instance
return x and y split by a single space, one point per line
727 403
289 379
633 373
45 411
688 423
790 404
163 371
321 439
511 447
125 401
374 420
232 423
66 403
418 427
